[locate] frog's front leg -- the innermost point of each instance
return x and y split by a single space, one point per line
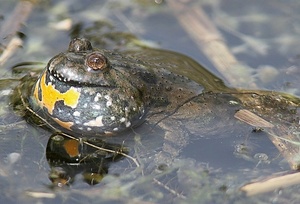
203 116
178 126
175 139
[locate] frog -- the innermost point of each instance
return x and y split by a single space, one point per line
90 92
118 89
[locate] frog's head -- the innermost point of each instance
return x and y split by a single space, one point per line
83 92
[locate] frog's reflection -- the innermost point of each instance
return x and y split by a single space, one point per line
69 157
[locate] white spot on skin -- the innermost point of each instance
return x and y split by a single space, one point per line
97 107
76 113
128 124
115 129
95 123
109 100
113 118
96 99
122 120
108 103
89 91
89 129
51 78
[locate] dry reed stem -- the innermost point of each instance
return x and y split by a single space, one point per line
209 40
9 40
271 184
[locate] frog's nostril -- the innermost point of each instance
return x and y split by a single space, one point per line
79 45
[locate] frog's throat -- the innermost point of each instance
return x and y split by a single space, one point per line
47 95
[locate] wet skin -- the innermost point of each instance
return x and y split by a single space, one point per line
89 92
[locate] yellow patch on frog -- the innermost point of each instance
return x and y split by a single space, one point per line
63 124
50 95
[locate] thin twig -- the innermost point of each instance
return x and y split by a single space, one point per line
168 189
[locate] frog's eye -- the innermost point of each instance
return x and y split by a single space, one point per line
79 45
96 61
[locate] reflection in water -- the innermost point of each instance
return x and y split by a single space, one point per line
69 157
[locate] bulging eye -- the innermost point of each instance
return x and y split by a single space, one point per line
97 61
80 45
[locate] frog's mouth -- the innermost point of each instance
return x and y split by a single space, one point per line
57 77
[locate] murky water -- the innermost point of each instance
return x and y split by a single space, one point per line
262 35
